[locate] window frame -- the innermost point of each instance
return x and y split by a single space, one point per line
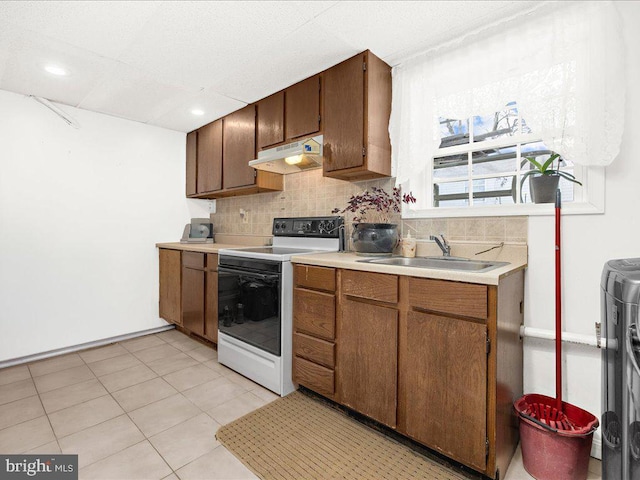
588 199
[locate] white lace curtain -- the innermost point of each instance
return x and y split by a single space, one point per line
562 65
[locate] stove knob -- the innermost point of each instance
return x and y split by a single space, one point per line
321 227
277 226
330 226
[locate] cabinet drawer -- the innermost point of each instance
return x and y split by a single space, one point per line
313 376
193 259
314 313
374 286
460 299
314 349
317 278
212 262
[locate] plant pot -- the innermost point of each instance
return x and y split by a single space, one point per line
374 238
543 188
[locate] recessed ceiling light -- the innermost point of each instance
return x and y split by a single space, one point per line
197 111
56 70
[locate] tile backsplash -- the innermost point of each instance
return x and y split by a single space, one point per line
311 194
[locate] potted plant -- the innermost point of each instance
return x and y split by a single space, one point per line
373 233
544 179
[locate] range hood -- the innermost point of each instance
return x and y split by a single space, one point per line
294 157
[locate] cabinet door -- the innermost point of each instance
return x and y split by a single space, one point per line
366 363
192 155
170 271
302 107
445 385
343 122
210 157
211 295
270 127
239 147
193 299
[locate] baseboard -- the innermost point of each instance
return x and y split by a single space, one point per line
596 447
82 346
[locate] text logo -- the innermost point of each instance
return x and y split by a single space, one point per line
39 467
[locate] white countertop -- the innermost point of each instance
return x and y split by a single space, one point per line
222 241
516 255
198 247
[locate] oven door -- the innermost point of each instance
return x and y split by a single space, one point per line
249 302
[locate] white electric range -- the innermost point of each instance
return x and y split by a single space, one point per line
255 299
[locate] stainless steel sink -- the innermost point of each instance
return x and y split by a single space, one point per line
443 263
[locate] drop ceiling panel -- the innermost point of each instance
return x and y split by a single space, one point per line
304 52
213 104
29 53
127 93
155 61
393 31
107 27
198 43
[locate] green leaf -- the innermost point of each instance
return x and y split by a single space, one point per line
568 176
524 177
549 161
535 163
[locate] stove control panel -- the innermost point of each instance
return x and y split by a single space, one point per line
325 227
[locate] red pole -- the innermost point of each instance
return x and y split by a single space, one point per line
558 307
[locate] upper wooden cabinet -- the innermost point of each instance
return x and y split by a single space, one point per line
357 106
302 108
289 114
349 104
270 120
204 159
209 177
218 156
192 168
239 140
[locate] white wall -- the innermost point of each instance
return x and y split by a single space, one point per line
80 213
588 242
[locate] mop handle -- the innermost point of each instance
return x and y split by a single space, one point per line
558 307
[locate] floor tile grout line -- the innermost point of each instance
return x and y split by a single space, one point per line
196 459
77 405
109 393
50 424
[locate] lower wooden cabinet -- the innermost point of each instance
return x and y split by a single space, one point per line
438 361
189 291
444 387
193 289
367 359
211 299
314 317
170 281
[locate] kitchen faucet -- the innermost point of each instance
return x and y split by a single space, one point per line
444 245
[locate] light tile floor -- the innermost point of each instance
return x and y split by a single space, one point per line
146 408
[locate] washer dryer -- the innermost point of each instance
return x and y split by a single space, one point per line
620 301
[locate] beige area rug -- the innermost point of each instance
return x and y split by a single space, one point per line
298 437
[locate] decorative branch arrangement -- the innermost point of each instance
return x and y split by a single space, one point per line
376 205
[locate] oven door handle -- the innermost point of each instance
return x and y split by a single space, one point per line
248 273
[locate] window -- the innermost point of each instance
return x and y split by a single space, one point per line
480 162
570 99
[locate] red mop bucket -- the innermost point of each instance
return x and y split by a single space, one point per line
555 444
555 436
